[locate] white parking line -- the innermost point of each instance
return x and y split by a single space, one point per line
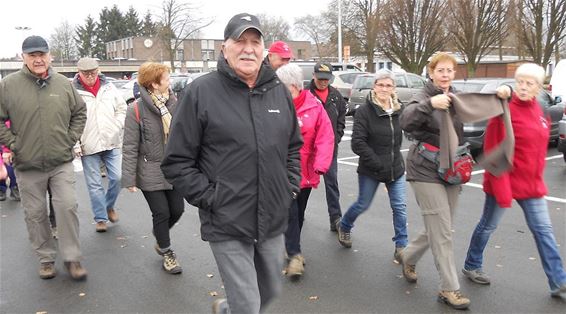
470 184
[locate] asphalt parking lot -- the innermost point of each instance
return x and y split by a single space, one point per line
125 274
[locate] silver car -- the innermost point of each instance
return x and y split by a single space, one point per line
407 85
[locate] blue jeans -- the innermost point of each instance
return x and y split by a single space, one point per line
397 199
12 176
538 220
332 192
102 200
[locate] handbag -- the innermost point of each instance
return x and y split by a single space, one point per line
461 170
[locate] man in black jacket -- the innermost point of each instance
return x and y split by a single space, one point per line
335 106
233 152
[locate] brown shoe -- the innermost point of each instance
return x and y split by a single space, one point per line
47 270
408 270
101 226
454 298
76 271
296 267
112 215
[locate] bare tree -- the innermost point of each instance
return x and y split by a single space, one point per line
413 30
362 19
476 27
179 21
542 26
274 27
316 29
63 45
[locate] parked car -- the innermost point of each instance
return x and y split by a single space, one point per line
343 81
308 69
474 132
179 83
127 91
557 84
119 83
562 135
407 84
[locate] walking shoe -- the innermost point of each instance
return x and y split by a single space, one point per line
170 263
112 215
344 237
408 270
2 195
157 249
397 253
15 194
47 270
333 225
220 306
296 267
454 298
557 293
101 226
76 271
477 276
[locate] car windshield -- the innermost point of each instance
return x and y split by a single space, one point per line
364 82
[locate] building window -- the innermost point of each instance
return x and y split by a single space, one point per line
180 55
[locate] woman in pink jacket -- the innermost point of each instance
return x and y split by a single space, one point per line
316 156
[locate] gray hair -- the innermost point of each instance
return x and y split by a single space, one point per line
291 74
384 74
531 70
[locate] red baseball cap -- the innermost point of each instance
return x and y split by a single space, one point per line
282 49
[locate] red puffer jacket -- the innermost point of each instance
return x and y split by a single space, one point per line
318 138
525 179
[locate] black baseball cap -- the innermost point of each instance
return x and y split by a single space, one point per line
239 23
35 44
323 71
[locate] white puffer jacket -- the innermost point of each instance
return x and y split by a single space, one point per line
106 113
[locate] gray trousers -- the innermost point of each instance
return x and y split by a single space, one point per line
33 188
251 272
438 203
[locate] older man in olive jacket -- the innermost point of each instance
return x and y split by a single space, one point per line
47 118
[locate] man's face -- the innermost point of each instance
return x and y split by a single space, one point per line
244 55
276 61
321 84
89 77
37 62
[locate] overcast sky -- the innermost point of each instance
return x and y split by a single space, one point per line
44 16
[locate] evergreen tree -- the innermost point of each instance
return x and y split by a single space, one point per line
149 28
85 38
132 24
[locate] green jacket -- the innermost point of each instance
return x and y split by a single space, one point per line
47 118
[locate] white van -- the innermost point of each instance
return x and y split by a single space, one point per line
557 84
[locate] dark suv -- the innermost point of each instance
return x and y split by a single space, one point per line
474 132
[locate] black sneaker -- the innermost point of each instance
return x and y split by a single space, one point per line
14 194
2 195
333 224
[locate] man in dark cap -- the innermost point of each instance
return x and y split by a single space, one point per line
335 106
279 54
47 118
233 152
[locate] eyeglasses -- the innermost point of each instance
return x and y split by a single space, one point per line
528 83
384 86
90 73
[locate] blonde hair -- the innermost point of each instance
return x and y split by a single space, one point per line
440 57
151 72
531 70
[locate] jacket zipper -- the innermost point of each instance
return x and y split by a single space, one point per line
392 145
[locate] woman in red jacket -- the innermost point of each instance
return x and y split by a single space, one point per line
316 156
524 182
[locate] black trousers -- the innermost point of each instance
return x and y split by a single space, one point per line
296 219
166 207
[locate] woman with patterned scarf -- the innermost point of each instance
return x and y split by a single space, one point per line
146 132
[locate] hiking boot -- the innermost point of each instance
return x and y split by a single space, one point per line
220 306
296 267
15 194
558 292
112 215
47 270
454 298
344 237
477 276
397 254
101 226
333 225
2 195
76 271
158 250
408 270
170 263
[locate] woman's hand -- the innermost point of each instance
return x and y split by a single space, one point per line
440 102
503 92
132 189
7 158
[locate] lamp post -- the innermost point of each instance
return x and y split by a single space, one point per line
23 29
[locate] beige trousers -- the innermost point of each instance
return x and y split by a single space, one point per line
438 203
33 189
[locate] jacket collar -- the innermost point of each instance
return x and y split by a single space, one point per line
145 98
41 82
266 78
